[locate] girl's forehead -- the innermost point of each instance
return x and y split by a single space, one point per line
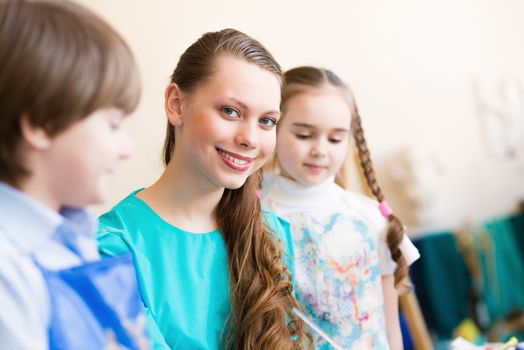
319 110
238 79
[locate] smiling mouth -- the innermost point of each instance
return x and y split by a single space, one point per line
235 161
315 168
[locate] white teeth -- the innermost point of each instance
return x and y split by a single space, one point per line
233 159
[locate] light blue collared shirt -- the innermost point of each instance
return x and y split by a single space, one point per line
31 231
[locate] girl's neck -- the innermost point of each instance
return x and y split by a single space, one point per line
293 185
182 201
290 192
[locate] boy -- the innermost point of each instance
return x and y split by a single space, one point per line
67 80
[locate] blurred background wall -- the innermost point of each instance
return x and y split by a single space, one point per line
440 87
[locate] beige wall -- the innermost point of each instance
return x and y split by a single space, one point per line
412 64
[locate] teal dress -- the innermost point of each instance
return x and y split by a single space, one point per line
183 276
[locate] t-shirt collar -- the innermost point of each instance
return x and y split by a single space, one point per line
29 223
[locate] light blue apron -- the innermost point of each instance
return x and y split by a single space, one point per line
96 305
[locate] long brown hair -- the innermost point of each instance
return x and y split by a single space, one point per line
300 80
59 63
261 288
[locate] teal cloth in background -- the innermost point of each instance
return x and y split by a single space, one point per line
502 266
183 276
442 282
517 223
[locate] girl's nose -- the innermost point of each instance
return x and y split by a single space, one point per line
246 135
319 149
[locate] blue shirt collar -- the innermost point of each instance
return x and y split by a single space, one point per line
29 223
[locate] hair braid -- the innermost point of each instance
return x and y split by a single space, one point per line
395 230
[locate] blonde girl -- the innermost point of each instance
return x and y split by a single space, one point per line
351 254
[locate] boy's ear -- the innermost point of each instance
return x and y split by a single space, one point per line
173 104
35 136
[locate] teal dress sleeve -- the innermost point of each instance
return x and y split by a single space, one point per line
111 242
282 230
110 235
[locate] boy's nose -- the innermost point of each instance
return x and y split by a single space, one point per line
126 145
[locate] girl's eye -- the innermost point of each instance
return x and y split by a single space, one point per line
268 122
335 141
230 111
303 136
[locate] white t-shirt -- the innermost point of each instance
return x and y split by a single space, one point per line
340 255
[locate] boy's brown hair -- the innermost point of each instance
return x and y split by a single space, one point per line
59 63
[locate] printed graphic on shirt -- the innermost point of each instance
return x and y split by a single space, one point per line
338 278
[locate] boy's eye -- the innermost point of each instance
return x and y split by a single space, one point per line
268 122
114 126
303 136
230 111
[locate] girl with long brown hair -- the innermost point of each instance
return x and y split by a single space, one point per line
350 251
211 263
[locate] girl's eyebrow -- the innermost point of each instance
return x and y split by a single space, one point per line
245 107
309 126
237 101
304 125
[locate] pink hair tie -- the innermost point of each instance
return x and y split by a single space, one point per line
385 209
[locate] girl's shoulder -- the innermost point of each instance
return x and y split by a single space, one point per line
127 219
360 200
366 209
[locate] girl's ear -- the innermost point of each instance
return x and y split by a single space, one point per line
36 137
173 104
